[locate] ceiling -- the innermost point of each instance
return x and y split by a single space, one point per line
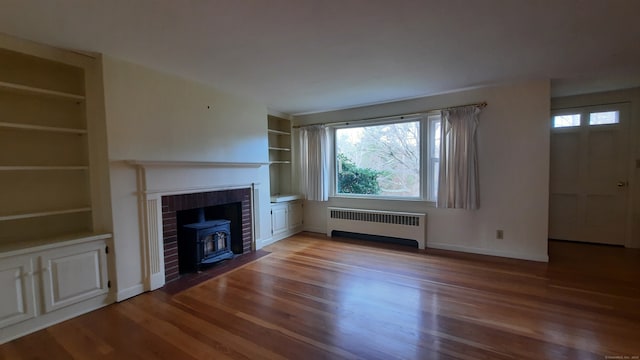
301 56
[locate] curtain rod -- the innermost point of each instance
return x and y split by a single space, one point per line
481 105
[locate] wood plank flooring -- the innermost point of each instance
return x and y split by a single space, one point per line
316 298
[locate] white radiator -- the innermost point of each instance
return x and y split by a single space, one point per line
402 225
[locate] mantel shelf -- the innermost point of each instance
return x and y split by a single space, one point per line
41 128
144 163
39 91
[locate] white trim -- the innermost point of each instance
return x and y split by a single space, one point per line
481 251
129 292
264 242
198 189
314 229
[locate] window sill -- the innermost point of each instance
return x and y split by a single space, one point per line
369 199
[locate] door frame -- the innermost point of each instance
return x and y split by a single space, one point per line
625 124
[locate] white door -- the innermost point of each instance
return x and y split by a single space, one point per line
588 175
74 274
17 302
279 219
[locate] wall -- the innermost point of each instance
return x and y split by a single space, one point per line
631 96
152 116
513 146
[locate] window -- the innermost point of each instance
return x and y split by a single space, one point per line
566 120
596 115
604 118
389 160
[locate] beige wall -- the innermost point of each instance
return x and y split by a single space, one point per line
513 146
154 116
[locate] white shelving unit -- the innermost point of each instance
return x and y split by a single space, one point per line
286 208
45 171
279 131
55 215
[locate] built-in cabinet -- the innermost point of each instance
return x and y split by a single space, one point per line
45 284
286 219
55 215
286 208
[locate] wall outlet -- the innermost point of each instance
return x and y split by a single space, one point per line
500 234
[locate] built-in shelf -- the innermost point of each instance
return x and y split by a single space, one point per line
41 128
279 132
42 168
280 162
39 91
21 247
279 148
44 213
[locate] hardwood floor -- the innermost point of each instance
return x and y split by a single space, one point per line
314 298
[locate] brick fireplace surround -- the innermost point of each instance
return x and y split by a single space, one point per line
171 204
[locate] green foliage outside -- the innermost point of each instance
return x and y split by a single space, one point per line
356 180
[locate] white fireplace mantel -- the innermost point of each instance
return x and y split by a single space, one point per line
161 178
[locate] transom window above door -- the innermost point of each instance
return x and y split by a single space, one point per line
574 119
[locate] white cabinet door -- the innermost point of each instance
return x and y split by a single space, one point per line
73 274
279 223
17 302
295 215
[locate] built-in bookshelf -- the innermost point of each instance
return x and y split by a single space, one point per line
45 183
279 131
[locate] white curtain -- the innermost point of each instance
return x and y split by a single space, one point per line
314 162
458 185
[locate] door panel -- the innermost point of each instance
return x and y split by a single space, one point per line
74 275
565 150
587 163
17 302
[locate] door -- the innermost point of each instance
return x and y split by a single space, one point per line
74 274
279 223
588 175
295 215
17 302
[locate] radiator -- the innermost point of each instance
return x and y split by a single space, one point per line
402 225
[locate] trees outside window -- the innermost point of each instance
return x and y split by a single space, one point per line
384 160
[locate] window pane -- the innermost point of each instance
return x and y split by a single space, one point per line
435 136
603 118
566 120
381 160
435 172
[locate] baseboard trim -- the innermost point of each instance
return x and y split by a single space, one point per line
264 242
481 251
130 292
318 230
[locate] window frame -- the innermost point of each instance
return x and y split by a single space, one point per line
424 120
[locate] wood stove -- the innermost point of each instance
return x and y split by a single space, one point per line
204 242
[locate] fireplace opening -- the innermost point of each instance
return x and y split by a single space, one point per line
232 205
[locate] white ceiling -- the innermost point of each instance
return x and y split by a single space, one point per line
299 56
